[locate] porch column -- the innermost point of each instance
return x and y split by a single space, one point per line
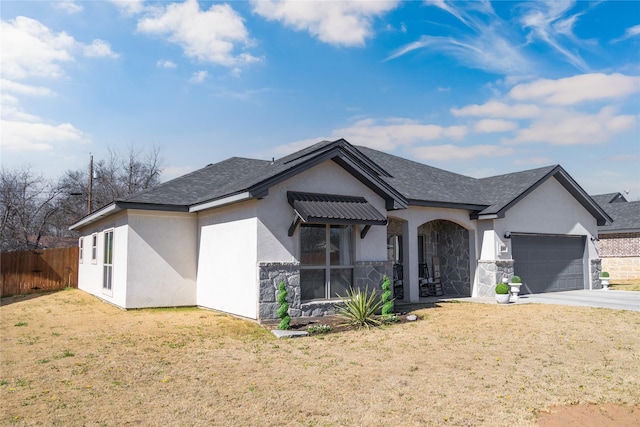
410 260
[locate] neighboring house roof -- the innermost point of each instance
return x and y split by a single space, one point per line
626 215
397 180
603 199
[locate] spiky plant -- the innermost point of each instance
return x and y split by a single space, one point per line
358 308
387 301
283 310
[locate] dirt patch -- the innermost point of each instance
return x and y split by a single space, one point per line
67 358
607 414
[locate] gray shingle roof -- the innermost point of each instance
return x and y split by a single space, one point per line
603 199
626 217
417 181
395 178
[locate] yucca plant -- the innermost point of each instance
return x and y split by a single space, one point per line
358 308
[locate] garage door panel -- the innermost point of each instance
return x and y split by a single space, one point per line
549 263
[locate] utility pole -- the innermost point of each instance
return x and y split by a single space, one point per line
90 183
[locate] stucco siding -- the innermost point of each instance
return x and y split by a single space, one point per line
549 209
90 272
162 262
276 215
227 259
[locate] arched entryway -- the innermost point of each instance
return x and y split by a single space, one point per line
446 243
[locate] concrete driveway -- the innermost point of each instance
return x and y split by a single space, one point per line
619 300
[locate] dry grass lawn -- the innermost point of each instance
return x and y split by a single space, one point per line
69 359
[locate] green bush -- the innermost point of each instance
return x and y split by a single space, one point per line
604 274
516 279
358 308
283 310
387 301
502 289
318 329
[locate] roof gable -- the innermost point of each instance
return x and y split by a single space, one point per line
504 191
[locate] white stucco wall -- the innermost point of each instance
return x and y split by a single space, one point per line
549 209
227 259
90 274
162 260
276 215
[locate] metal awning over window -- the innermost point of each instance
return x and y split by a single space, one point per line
333 209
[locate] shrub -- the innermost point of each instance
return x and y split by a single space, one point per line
318 329
502 289
604 274
358 308
283 310
387 301
516 279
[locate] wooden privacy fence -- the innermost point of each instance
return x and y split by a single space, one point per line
40 270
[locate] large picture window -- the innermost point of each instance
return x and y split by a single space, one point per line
107 277
326 260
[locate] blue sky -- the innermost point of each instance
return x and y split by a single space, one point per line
478 88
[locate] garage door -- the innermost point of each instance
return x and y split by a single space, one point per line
548 263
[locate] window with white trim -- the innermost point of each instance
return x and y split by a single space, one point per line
107 277
326 260
94 247
81 249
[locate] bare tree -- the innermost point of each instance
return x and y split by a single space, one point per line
27 203
32 207
119 176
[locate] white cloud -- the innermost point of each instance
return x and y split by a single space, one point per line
339 23
68 6
99 49
28 136
549 21
492 46
199 77
30 49
565 127
165 63
208 36
23 89
129 7
498 109
494 125
454 152
384 135
537 161
630 32
577 89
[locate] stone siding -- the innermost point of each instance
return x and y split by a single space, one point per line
450 242
625 269
490 273
366 274
596 269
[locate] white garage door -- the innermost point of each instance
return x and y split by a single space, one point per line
549 263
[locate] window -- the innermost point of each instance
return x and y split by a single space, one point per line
394 248
326 270
94 247
108 261
81 247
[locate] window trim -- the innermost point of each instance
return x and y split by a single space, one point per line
107 267
327 267
94 248
80 249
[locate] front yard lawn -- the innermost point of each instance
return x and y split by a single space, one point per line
69 359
